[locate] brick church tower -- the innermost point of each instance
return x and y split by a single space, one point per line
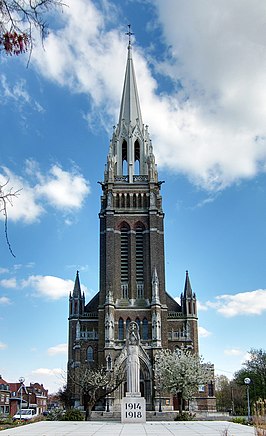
132 262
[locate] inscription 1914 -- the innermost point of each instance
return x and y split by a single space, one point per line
133 410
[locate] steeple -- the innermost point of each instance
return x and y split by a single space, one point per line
130 153
130 108
76 299
188 299
77 289
187 288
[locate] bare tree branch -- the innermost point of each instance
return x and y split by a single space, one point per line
17 20
6 197
95 384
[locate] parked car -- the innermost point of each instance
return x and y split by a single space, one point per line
25 414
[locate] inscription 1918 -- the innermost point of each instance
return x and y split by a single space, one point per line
133 410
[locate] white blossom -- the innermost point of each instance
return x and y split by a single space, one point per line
180 372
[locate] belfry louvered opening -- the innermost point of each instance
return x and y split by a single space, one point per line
139 262
124 261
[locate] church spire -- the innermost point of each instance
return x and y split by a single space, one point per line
76 299
77 288
130 107
130 153
187 289
188 298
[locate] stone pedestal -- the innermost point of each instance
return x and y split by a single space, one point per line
133 409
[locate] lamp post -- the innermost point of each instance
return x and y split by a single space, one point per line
232 399
160 402
107 403
107 394
247 382
21 381
158 390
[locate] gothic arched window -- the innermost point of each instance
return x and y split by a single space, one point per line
145 335
120 329
124 158
109 363
138 322
127 323
90 354
137 158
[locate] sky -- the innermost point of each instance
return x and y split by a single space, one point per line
201 75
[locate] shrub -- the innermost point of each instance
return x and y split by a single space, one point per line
240 420
73 415
185 416
55 415
62 415
7 420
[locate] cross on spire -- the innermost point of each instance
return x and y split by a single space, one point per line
129 33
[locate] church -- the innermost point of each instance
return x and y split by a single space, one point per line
132 267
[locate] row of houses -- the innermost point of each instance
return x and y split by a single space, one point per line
16 395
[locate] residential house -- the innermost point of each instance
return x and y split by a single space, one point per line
4 397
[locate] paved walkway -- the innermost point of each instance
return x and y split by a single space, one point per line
166 428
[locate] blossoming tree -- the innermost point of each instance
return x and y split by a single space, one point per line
180 372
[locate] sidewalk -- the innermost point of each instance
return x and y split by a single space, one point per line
164 428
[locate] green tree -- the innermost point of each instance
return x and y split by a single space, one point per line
229 396
180 372
223 393
255 369
64 395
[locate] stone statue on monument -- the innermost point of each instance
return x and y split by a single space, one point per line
133 364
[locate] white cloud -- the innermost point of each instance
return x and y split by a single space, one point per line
9 283
201 306
25 206
204 333
2 346
78 267
47 371
5 300
57 349
50 286
79 55
3 270
30 265
217 56
234 352
51 378
17 93
64 190
243 303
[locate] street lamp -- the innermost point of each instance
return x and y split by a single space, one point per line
107 393
21 381
247 382
157 388
107 403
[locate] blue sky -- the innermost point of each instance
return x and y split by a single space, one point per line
201 74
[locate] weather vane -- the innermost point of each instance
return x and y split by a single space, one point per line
129 33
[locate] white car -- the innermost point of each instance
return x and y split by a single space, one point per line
25 414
